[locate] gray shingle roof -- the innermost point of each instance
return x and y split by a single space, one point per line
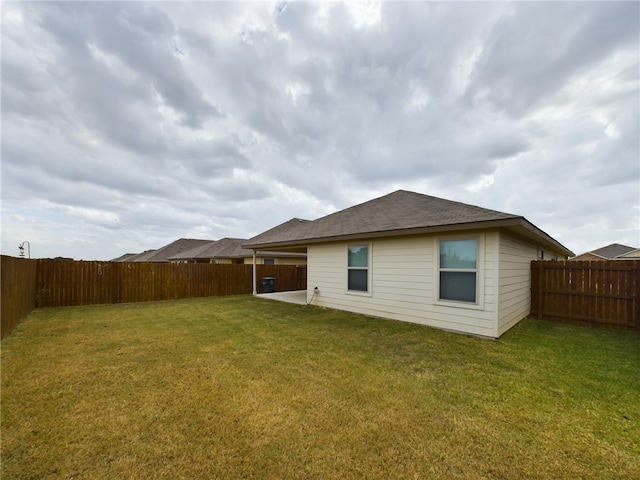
612 251
164 253
195 252
400 213
397 211
223 248
124 258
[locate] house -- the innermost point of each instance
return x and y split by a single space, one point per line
124 258
229 250
421 259
224 251
630 255
162 254
610 252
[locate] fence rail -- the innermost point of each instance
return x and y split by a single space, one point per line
599 292
58 283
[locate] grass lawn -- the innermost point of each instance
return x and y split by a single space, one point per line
248 388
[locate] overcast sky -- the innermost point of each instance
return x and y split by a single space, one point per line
126 126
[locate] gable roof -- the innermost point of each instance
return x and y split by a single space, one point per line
289 230
609 252
631 254
124 258
197 252
134 257
223 248
398 213
162 254
612 251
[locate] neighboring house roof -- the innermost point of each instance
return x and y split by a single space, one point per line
129 257
605 253
194 252
164 253
224 248
612 251
631 255
124 258
398 213
587 256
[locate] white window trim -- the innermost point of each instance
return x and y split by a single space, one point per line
369 269
479 303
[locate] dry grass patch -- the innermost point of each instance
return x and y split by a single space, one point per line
241 387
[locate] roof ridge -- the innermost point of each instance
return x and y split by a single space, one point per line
423 196
398 212
456 202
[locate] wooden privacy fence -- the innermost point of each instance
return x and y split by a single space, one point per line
18 291
68 283
27 284
597 292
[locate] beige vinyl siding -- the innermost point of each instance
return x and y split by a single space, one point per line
514 281
402 273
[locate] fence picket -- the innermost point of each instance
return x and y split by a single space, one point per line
598 292
65 283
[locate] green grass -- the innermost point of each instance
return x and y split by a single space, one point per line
247 388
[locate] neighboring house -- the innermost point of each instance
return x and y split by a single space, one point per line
420 259
229 250
631 255
610 252
125 257
162 254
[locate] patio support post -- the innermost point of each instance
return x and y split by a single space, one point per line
255 292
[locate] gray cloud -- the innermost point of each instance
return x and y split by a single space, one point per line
127 125
539 47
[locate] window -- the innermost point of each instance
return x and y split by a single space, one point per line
269 261
358 268
459 270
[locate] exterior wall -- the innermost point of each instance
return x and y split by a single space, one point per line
514 281
404 282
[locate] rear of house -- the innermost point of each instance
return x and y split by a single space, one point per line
471 276
408 279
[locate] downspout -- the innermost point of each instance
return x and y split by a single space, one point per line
255 292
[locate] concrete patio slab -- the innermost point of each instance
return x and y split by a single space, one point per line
296 296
